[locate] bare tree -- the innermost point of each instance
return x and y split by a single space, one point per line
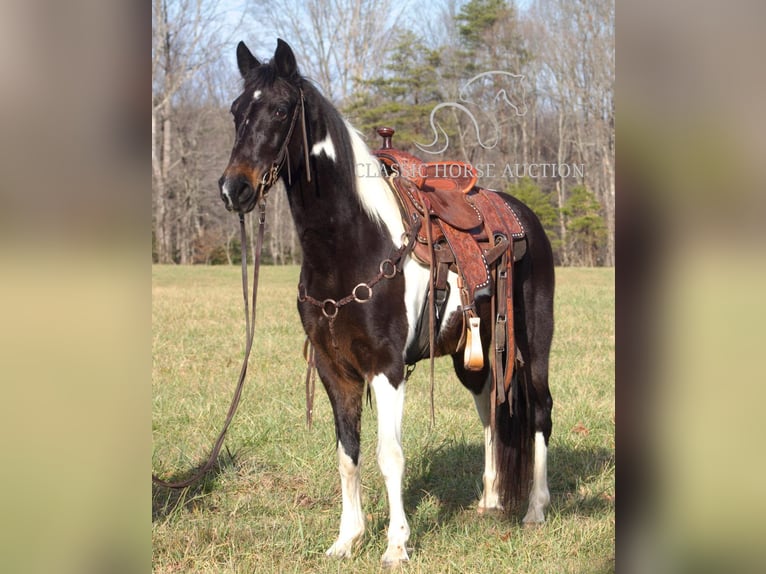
186 39
563 49
339 42
575 42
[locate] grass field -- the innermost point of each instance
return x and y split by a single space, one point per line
274 503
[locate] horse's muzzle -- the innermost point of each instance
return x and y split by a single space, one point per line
237 194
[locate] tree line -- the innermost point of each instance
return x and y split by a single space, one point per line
526 96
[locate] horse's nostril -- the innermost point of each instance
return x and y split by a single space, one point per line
237 193
224 186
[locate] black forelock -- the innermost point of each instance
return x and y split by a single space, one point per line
266 76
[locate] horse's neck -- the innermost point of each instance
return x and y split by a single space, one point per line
333 229
337 234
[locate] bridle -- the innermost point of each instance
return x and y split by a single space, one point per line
268 179
271 175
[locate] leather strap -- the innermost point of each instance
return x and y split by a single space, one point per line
431 303
249 334
388 269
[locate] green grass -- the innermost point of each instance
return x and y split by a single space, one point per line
274 503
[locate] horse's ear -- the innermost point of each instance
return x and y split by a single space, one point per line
284 60
245 60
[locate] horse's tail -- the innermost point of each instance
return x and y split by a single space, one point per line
514 441
524 411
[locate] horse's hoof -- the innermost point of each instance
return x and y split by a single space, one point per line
394 557
340 550
534 517
533 525
490 510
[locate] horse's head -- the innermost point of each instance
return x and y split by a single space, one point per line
265 115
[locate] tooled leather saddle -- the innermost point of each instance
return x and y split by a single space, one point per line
466 229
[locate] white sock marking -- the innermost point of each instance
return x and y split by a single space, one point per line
490 497
325 146
390 407
352 517
539 495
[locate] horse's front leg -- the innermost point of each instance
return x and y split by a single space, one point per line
390 407
346 399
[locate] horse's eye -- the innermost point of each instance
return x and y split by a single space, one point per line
281 113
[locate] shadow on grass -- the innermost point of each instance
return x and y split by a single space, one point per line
452 475
166 501
569 469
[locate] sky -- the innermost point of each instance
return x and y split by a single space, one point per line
246 26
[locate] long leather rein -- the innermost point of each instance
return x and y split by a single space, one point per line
249 335
267 180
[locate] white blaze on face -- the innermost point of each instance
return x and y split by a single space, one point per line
257 95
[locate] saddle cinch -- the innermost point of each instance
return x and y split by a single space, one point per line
469 230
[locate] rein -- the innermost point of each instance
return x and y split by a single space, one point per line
267 180
249 335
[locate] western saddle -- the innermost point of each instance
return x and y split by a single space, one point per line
466 229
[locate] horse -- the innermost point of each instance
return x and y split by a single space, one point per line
349 224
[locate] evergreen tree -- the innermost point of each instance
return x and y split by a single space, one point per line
488 30
403 96
585 225
541 203
477 17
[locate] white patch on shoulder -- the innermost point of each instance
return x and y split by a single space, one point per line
325 146
375 195
257 95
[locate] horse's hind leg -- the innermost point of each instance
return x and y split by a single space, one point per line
490 498
478 382
537 354
539 495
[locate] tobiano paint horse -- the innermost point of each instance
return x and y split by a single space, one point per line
349 222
